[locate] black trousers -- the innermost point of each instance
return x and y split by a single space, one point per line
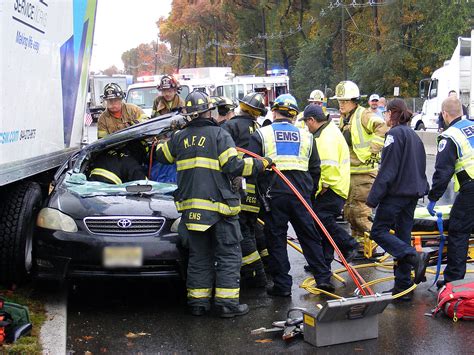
251 262
328 207
215 258
397 213
287 208
461 224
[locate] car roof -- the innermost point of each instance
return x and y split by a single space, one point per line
148 128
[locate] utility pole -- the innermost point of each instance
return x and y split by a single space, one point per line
155 47
343 44
217 40
179 50
378 47
264 29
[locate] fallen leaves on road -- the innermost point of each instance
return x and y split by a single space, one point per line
131 335
263 340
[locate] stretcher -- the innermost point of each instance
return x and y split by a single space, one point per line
425 233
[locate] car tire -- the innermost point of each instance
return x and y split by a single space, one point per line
20 206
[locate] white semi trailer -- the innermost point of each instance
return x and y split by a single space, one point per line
455 74
46 52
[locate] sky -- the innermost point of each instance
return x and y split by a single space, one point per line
122 25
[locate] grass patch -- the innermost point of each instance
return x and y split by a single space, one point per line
26 296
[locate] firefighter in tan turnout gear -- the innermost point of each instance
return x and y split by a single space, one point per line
206 158
169 99
118 115
364 132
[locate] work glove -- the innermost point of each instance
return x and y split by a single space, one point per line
430 208
373 159
237 183
267 163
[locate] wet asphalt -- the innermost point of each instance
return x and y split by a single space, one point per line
133 317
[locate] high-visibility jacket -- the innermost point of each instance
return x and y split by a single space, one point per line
367 132
205 158
288 146
241 128
335 163
108 124
161 106
462 134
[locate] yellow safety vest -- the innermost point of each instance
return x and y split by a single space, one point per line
288 146
462 134
335 162
361 140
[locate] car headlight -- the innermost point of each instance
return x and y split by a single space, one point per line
174 226
53 219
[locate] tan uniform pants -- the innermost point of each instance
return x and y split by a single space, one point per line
356 212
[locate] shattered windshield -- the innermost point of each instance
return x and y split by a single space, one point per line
78 184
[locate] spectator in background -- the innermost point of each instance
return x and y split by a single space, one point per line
374 105
382 104
441 123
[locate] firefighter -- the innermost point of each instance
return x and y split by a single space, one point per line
118 114
225 108
294 152
206 157
316 97
335 180
455 157
401 181
364 132
241 127
116 167
169 100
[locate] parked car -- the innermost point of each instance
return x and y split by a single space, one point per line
94 229
334 114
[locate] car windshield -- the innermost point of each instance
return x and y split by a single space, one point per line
143 97
77 184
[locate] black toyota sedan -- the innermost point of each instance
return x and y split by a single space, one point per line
97 229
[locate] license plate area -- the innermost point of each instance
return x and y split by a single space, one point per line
122 257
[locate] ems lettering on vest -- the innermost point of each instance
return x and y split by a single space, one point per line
194 141
287 136
194 216
468 131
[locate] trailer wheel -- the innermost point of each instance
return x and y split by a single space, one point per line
20 206
420 126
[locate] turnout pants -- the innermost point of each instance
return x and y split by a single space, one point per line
252 265
328 207
397 213
356 212
461 223
215 257
287 208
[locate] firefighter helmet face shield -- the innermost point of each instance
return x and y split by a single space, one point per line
286 104
255 101
113 91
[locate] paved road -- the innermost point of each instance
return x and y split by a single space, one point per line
100 315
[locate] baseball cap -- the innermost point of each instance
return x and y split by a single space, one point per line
374 97
315 111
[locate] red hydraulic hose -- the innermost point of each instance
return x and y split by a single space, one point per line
352 272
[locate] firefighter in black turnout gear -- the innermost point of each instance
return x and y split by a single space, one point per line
241 128
206 158
116 166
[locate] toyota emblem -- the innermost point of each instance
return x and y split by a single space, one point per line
124 223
